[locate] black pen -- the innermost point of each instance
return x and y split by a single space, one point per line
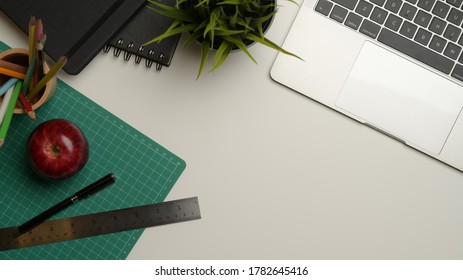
83 193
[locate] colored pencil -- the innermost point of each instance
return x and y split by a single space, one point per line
40 56
32 27
38 28
26 106
42 38
5 101
29 73
34 79
7 85
13 66
9 112
12 73
24 89
58 65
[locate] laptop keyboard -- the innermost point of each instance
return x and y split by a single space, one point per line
427 30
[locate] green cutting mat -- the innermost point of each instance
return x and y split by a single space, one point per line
145 174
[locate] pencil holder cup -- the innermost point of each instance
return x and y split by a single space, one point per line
21 56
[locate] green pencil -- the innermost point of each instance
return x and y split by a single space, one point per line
9 112
58 65
29 73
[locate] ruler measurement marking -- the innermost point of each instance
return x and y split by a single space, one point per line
104 223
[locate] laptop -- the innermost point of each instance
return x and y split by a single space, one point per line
393 65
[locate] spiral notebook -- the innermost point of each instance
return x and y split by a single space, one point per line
78 29
144 26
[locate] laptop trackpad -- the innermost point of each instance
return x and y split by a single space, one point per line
401 98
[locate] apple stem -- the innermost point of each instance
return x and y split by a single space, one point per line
55 149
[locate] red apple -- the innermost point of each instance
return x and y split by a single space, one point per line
57 149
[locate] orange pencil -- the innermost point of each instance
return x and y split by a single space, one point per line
12 73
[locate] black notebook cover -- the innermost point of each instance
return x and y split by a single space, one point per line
144 26
78 29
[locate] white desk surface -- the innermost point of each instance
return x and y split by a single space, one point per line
278 175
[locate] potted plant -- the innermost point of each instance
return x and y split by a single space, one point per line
220 25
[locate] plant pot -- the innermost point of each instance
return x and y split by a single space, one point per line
265 25
21 56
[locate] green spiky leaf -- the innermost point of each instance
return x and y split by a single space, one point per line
174 29
221 55
268 43
227 24
240 44
172 12
205 48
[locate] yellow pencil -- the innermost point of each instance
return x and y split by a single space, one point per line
32 26
9 112
58 65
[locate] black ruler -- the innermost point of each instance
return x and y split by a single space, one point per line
103 223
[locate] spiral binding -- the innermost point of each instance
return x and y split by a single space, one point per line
128 53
